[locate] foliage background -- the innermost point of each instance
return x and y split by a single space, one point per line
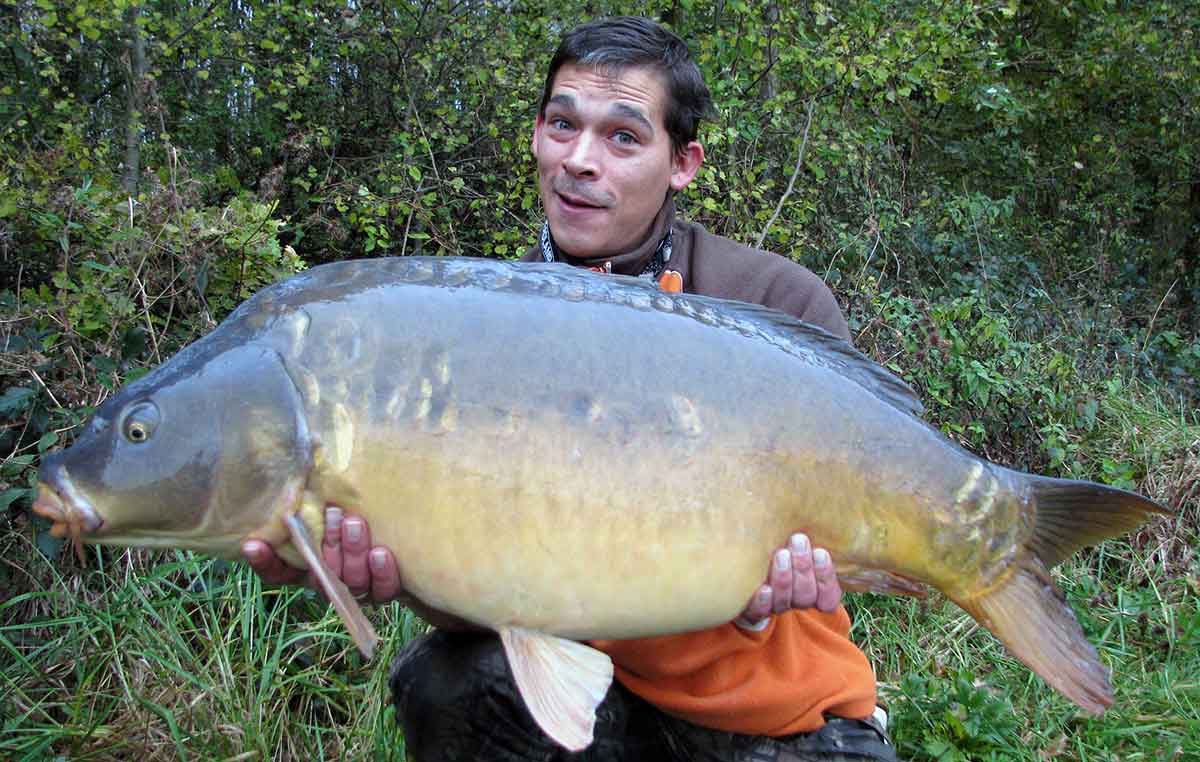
1004 195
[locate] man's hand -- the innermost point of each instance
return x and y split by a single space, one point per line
346 548
799 578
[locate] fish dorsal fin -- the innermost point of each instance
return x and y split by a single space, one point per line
821 348
561 681
788 333
335 590
784 331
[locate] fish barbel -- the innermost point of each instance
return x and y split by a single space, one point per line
552 454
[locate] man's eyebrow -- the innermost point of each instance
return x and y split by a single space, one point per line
562 99
629 112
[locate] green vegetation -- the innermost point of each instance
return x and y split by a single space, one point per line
1005 196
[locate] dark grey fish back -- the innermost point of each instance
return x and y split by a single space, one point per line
809 343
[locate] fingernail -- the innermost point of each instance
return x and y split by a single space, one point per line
764 595
799 544
333 518
783 560
377 559
821 557
253 552
353 530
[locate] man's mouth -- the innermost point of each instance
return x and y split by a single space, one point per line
575 202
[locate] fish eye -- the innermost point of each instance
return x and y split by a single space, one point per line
140 422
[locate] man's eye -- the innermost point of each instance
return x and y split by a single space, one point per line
560 124
625 138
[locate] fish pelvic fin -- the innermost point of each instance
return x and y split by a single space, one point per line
360 628
1031 616
1074 514
561 681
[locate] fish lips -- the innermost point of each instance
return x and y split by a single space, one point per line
69 512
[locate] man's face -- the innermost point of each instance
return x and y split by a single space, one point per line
605 160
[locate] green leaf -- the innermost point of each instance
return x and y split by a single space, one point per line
49 545
48 440
10 496
15 398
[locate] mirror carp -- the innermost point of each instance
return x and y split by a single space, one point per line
552 454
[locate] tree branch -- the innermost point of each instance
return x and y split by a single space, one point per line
795 172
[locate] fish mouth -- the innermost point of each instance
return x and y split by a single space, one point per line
72 517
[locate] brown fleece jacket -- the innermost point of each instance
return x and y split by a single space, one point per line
803 666
716 266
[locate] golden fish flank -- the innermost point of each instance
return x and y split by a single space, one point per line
783 427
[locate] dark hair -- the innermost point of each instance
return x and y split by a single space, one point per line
617 43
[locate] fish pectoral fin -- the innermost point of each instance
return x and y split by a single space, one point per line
1033 619
561 681
360 628
880 581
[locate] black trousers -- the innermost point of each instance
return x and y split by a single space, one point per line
456 701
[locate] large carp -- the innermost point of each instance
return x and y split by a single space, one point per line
553 454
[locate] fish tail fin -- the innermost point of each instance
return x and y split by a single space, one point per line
1029 614
1074 514
1032 618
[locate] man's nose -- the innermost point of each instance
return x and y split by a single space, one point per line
582 160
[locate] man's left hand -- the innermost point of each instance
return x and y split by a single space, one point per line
799 578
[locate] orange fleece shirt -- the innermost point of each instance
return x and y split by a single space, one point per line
779 681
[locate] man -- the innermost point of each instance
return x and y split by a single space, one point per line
614 139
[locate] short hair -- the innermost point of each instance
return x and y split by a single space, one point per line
624 41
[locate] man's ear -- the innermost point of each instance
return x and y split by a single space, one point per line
685 164
537 132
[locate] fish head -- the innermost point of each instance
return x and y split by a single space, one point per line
198 454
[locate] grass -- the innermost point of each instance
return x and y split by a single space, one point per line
172 656
954 693
168 656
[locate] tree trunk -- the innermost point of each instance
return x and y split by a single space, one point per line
1189 262
770 83
135 47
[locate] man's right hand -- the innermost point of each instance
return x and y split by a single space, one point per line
369 572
